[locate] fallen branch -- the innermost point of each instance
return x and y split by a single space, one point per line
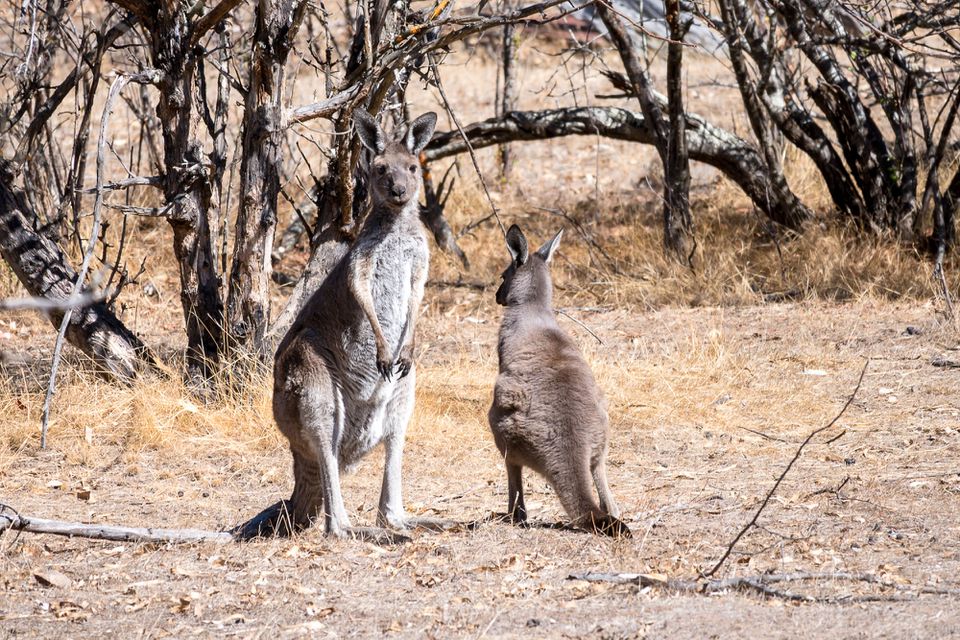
783 475
763 585
104 532
731 155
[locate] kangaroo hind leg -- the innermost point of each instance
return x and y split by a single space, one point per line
391 512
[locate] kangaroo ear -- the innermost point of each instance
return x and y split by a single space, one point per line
420 132
547 250
517 244
371 135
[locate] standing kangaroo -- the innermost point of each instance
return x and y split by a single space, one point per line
344 373
548 413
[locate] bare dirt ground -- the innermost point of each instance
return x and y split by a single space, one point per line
707 406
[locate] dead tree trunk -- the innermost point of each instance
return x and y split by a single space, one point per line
676 212
733 156
42 268
792 120
186 183
789 210
248 301
508 97
677 222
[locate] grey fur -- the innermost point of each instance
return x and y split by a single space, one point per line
344 373
548 413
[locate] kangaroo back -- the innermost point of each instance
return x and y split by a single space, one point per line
548 413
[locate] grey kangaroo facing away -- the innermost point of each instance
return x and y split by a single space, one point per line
344 373
548 413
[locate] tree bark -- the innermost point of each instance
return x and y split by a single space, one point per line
248 301
794 213
44 271
186 187
508 99
677 223
859 137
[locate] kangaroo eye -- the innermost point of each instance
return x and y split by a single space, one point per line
413 168
381 170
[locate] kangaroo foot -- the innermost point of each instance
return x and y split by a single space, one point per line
519 519
277 520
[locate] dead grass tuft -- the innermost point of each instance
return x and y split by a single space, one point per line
91 415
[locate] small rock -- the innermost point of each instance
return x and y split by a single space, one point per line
723 399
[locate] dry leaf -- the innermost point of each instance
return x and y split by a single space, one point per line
68 610
51 578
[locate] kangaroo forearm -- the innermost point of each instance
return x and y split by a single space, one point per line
361 277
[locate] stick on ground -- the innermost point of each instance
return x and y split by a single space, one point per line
783 475
104 532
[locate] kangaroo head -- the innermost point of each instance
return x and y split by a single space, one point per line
395 168
527 279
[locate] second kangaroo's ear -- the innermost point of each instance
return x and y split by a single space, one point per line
517 244
420 132
547 250
371 135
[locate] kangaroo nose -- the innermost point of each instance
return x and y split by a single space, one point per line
397 191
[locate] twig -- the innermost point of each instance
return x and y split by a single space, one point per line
783 475
764 435
115 88
834 490
135 181
585 327
49 304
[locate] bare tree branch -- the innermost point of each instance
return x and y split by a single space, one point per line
149 76
211 19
